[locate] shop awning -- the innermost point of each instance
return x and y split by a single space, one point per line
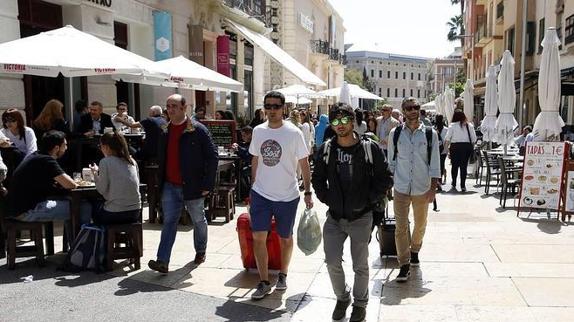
278 54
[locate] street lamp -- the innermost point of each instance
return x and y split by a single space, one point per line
471 53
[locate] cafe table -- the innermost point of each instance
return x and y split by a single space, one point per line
238 166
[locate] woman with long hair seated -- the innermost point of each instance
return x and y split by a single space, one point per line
51 118
21 136
117 180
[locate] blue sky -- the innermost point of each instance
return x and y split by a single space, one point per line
409 27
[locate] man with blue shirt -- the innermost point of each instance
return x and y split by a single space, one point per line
416 178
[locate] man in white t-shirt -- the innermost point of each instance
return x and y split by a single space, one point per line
277 147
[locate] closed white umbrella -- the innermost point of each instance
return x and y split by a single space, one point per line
469 100
439 104
345 94
506 123
548 124
488 124
448 100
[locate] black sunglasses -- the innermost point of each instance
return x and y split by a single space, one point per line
272 106
412 107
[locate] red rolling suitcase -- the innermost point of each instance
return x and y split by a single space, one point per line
246 244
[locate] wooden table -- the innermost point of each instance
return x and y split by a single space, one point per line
238 166
89 193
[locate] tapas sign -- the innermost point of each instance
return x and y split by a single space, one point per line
542 175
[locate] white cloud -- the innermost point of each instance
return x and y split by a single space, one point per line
408 27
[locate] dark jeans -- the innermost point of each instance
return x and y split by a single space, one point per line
459 155
442 168
104 217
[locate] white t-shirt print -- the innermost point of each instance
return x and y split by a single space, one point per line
278 152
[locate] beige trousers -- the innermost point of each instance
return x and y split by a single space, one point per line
403 239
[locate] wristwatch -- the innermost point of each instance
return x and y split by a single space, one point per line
308 193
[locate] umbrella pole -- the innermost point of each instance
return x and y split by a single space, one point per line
71 105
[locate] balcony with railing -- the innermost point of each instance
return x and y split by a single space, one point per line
254 8
324 48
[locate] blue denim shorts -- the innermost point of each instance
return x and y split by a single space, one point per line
262 209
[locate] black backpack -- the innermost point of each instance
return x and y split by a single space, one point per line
428 134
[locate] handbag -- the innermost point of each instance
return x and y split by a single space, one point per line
473 157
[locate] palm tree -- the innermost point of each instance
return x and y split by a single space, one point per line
455 28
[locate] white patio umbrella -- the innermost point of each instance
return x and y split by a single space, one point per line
354 92
469 100
506 123
548 124
299 92
72 53
185 73
488 124
429 106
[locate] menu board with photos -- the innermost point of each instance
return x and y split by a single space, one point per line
542 176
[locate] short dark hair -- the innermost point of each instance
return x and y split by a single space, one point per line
275 94
528 127
247 129
50 140
80 105
121 104
341 109
200 108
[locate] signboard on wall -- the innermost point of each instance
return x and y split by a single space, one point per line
222 132
162 35
223 63
306 22
542 175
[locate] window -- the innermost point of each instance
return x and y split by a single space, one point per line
380 74
419 76
388 92
412 76
530 37
357 61
541 32
510 40
388 74
372 73
411 92
396 92
404 91
380 91
418 93
559 27
404 75
396 75
569 30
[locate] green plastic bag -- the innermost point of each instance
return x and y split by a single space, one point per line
309 232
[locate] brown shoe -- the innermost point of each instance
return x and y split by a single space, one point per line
199 258
158 266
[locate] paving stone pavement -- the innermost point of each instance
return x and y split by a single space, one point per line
479 262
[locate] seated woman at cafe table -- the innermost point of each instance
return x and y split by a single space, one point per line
37 179
117 180
51 118
21 136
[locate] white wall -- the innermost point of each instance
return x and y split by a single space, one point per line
11 86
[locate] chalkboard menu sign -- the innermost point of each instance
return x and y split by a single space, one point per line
542 175
222 132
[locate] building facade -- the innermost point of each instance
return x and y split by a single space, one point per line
497 25
395 76
205 31
312 32
444 71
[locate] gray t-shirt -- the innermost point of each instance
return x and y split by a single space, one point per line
118 182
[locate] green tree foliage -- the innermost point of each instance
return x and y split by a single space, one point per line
354 76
